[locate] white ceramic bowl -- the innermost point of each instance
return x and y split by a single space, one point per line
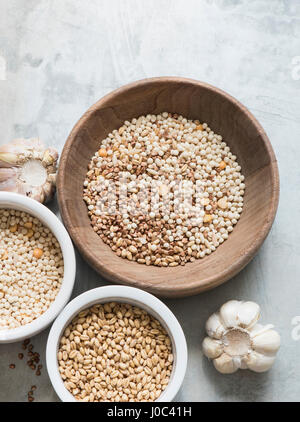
134 297
23 203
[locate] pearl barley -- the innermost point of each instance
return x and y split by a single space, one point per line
31 268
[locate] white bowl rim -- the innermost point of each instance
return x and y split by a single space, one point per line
124 294
40 211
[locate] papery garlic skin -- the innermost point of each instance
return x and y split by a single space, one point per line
236 341
28 168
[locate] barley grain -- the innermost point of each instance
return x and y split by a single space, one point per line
125 367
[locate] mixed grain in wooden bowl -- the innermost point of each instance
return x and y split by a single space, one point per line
115 352
164 190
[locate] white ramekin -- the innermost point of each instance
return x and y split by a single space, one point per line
23 203
134 297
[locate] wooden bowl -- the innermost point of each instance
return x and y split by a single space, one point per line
226 116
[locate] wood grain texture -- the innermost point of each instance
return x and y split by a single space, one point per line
225 116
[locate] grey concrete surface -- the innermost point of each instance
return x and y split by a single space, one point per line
63 55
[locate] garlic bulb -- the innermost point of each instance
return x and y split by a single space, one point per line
28 168
236 341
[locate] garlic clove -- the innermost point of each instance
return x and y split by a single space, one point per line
48 190
229 313
50 156
225 364
7 173
7 159
37 193
9 185
268 342
23 188
238 362
212 348
248 314
22 145
8 179
214 326
52 178
243 364
258 362
258 329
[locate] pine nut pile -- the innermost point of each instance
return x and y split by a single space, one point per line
31 268
115 352
169 152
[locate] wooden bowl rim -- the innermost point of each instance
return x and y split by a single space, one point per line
184 289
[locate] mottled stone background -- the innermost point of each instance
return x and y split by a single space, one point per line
63 55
